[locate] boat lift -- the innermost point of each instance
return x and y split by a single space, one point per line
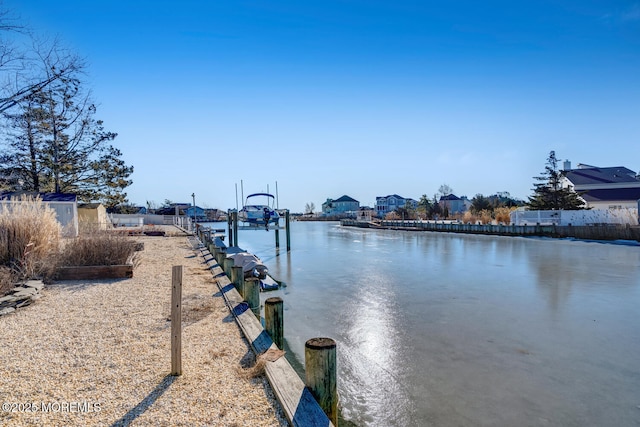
233 225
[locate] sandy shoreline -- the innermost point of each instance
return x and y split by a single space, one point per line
98 353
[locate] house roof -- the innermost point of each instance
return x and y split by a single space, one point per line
593 175
46 197
390 196
449 197
345 199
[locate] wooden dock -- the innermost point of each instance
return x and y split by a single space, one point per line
298 404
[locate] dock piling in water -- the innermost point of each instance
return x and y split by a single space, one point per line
321 374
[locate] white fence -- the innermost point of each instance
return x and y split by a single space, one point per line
138 220
581 217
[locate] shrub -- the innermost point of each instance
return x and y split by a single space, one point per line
29 237
469 217
99 247
503 214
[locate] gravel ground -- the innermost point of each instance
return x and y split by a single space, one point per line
98 353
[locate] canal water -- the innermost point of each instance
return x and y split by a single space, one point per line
437 329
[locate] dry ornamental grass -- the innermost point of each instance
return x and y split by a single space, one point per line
29 237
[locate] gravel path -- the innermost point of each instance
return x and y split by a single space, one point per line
98 353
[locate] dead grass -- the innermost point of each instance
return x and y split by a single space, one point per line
6 280
254 371
29 237
99 247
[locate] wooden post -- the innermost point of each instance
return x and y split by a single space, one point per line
230 226
227 264
252 295
321 376
176 320
237 277
220 256
234 241
274 320
286 224
277 232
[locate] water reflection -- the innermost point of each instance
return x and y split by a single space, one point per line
445 329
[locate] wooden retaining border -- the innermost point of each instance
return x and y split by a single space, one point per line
297 401
590 232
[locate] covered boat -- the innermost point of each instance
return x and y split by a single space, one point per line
259 214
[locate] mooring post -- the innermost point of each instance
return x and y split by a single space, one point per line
252 295
221 254
230 226
176 320
277 232
286 224
227 265
234 242
321 375
237 277
274 320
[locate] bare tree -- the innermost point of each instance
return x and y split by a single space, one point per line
309 208
17 79
56 143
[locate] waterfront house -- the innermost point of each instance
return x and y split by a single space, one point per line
342 206
603 188
387 204
454 204
199 212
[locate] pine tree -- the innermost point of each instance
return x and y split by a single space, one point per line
57 145
549 193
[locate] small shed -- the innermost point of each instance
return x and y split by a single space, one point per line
93 215
64 205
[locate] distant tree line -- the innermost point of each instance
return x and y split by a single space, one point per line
50 137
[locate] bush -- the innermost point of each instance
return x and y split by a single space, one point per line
29 238
503 214
99 247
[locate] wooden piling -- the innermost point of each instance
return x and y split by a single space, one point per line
252 295
237 278
176 320
277 233
286 224
234 241
321 374
227 265
221 254
230 226
274 320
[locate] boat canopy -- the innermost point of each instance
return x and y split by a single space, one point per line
261 194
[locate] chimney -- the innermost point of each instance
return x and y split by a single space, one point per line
567 165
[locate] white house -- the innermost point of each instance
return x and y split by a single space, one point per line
603 188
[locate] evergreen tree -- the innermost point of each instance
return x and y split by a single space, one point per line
57 145
549 193
480 203
425 207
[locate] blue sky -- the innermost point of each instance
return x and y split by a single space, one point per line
364 98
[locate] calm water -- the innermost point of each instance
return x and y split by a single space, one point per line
462 330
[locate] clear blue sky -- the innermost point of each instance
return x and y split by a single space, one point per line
365 98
